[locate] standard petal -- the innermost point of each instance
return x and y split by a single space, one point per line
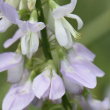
83 52
62 11
60 33
57 89
9 12
78 73
41 84
16 36
18 98
15 73
8 60
77 18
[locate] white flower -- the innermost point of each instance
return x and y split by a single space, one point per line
28 33
63 29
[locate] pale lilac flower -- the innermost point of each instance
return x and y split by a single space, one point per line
99 105
77 67
63 29
8 16
29 34
72 86
82 52
12 62
18 97
8 60
48 85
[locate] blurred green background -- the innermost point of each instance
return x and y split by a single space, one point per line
95 35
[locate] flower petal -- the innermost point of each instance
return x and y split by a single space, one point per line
92 68
72 86
78 19
70 28
4 23
8 60
62 11
29 44
82 51
41 84
34 44
16 36
18 98
15 73
78 73
25 44
57 89
1 1
36 26
70 41
60 33
9 12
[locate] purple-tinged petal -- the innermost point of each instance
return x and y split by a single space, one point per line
86 65
57 89
31 26
16 36
82 51
99 105
72 86
41 84
36 26
8 60
1 1
15 73
18 98
8 100
78 19
62 11
92 68
9 12
4 23
78 74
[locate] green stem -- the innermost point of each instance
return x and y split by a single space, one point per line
44 37
66 103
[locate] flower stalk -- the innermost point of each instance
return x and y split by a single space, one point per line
44 37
